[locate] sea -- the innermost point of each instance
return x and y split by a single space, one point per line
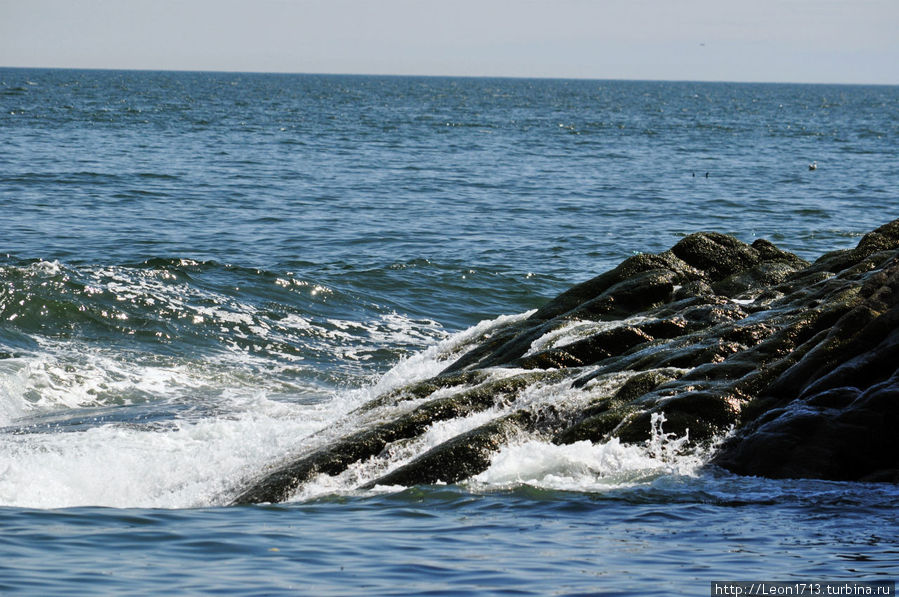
204 273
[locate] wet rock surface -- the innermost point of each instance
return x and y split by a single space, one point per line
800 360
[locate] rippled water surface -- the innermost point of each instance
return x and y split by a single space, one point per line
669 538
202 273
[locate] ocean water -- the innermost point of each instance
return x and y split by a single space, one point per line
203 273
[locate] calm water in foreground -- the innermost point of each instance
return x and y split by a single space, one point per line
202 273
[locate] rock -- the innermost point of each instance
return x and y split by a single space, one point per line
333 459
832 414
840 434
630 268
457 459
597 347
800 360
717 255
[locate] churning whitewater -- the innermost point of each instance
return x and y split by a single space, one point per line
71 439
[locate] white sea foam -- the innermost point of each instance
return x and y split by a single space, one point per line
434 359
588 466
189 460
69 375
581 466
534 397
577 330
254 419
45 268
393 457
193 464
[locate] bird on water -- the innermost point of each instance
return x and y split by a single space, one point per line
813 166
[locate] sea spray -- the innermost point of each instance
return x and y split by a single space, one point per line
589 467
175 433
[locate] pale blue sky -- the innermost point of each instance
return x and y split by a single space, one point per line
844 41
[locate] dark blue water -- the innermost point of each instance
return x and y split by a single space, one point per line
201 273
444 542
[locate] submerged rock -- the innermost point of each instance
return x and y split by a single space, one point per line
800 360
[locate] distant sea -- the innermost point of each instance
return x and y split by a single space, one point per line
201 273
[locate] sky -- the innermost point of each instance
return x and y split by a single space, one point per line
814 41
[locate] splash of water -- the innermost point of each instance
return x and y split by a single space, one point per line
173 448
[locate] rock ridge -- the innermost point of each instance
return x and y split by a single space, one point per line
799 360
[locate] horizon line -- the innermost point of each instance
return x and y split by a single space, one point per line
439 76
